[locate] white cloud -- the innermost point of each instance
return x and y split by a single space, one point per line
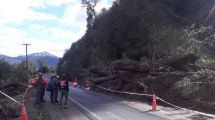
18 11
11 40
60 2
52 47
36 27
58 33
102 4
12 45
11 31
75 15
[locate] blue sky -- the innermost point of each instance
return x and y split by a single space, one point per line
48 25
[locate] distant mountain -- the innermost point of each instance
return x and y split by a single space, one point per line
52 60
11 60
42 54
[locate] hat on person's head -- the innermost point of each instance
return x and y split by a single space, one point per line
39 73
63 76
54 76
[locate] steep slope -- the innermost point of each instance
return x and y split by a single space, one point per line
160 46
135 30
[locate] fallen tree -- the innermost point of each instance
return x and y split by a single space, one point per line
105 79
177 66
99 71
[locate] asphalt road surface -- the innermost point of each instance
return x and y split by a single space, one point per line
98 106
90 105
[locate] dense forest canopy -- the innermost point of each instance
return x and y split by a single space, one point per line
139 29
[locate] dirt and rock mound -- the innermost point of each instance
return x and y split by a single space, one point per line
10 110
180 80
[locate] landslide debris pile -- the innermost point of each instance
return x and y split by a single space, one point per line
8 109
12 111
180 81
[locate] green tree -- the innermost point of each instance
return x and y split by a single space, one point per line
19 72
135 29
5 70
90 9
43 66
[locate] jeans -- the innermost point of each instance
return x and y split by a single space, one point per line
54 95
42 95
63 94
38 96
51 96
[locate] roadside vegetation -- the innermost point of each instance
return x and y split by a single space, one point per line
13 81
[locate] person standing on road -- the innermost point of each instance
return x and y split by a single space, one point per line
64 90
54 84
32 82
43 90
51 89
38 88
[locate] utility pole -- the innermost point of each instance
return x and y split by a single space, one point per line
26 50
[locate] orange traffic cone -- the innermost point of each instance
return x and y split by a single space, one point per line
154 103
24 114
75 83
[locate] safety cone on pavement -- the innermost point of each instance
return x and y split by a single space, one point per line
24 114
75 83
154 103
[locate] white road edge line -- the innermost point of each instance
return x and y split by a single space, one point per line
86 109
174 115
158 98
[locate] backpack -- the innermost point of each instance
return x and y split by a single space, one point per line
63 84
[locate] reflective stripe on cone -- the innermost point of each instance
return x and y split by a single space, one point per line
24 114
154 103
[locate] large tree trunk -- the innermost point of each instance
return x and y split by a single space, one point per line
105 79
132 66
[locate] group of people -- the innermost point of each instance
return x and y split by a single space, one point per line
55 85
61 85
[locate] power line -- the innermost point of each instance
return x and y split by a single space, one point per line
26 50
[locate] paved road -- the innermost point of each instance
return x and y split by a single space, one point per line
97 106
89 105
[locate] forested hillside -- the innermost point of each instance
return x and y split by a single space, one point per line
160 43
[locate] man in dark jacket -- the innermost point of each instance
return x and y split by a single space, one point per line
64 90
54 84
